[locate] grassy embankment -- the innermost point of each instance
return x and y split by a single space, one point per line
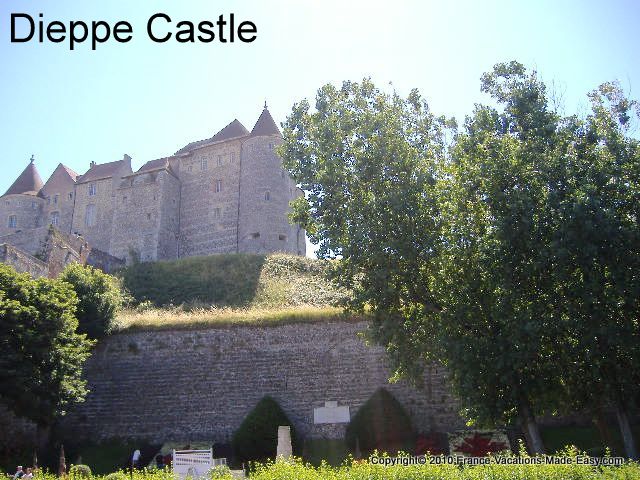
235 289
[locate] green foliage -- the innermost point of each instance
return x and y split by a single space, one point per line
319 450
42 354
77 472
380 424
487 252
233 280
257 437
100 296
116 476
367 471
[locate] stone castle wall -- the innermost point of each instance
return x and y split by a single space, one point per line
22 262
265 192
200 384
27 209
208 217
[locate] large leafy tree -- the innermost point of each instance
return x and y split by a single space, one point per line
597 245
42 355
473 256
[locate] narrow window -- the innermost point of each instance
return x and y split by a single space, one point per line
203 163
13 221
218 186
55 216
217 213
271 146
48 200
33 205
55 199
219 160
190 168
70 195
90 215
124 199
282 237
255 235
233 157
267 195
92 189
148 216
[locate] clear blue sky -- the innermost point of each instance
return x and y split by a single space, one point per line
148 99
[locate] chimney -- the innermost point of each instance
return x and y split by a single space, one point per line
127 160
92 164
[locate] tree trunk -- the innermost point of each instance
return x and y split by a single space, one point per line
43 432
625 431
530 428
600 422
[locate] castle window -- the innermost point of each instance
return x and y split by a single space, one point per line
189 168
217 212
48 200
33 205
203 163
92 189
219 160
55 216
282 237
255 235
148 216
218 186
90 215
55 199
271 146
267 195
13 221
70 195
124 199
233 157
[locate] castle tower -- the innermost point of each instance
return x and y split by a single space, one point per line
22 204
59 197
264 194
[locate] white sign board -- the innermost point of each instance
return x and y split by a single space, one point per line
192 463
331 413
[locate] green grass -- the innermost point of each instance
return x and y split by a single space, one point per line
233 280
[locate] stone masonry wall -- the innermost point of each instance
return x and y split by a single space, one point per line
26 208
99 233
22 261
200 384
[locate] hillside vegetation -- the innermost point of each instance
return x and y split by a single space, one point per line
229 289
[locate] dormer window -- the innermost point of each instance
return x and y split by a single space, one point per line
92 189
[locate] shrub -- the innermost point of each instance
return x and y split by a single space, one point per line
80 471
116 476
382 424
100 296
257 436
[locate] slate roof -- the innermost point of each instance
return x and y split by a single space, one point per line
265 125
234 130
27 183
103 170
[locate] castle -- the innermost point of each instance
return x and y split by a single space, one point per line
226 194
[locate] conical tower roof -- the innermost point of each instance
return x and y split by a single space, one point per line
234 130
265 124
28 183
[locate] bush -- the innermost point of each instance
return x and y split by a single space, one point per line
116 476
100 296
257 436
80 471
382 424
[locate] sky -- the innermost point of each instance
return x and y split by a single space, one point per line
149 99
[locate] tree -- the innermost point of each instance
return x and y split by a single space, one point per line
598 258
42 355
100 296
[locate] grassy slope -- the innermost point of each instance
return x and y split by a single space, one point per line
224 290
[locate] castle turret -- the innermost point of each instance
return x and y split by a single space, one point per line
265 192
21 205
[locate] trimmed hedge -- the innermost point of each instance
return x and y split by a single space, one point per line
257 437
381 424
